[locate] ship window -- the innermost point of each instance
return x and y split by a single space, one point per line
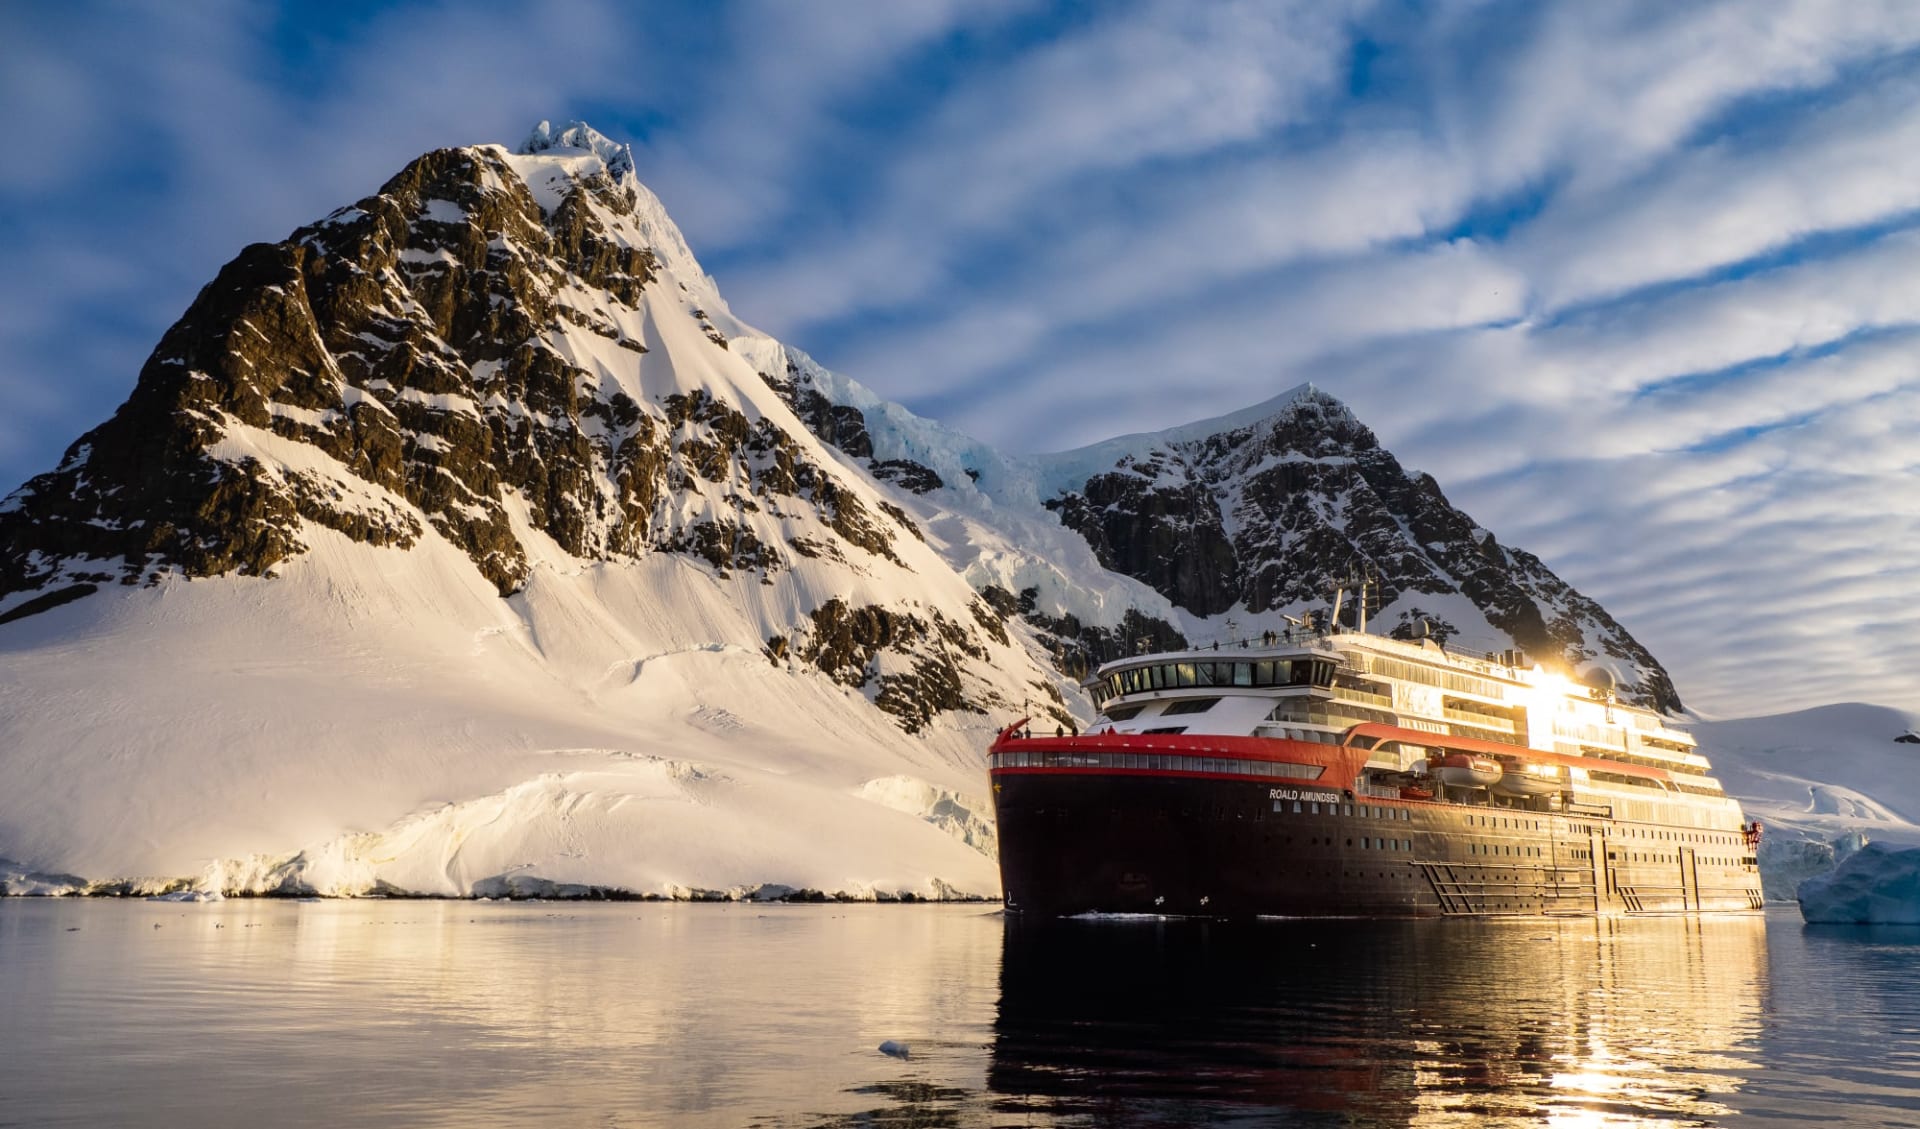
1167 729
1296 807
1243 674
1124 713
1158 677
1313 808
1263 673
1190 705
1184 673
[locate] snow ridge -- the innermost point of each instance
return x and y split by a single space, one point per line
617 157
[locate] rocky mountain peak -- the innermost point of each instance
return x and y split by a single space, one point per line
1309 402
514 354
1264 512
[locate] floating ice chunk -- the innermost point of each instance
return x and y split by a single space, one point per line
895 1050
189 895
1876 885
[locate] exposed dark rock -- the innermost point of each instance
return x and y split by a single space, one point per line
841 425
845 641
1076 648
907 475
1157 522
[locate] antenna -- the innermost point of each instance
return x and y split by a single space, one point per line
1369 594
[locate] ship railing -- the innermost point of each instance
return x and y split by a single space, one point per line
1235 641
1362 697
1300 637
1480 720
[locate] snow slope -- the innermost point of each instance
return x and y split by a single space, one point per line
1824 781
383 720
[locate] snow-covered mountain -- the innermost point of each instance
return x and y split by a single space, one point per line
448 546
465 542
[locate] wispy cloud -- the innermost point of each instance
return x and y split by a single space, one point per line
1639 282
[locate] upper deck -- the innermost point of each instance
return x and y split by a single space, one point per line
1317 688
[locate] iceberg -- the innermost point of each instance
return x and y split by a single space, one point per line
1877 885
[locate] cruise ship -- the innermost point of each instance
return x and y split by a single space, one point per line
1344 773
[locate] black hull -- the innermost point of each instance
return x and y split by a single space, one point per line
1073 843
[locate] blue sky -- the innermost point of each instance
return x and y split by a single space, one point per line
1638 283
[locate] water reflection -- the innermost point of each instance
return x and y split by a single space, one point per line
1640 1022
443 1014
1844 1020
253 1013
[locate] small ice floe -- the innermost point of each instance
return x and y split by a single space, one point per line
895 1050
189 895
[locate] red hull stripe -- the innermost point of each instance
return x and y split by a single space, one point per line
1340 763
1275 781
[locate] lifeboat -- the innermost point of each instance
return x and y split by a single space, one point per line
1518 778
1464 770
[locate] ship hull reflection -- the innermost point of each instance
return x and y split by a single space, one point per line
1374 1021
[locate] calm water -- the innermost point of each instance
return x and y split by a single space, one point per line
438 1013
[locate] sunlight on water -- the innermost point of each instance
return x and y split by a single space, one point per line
442 1013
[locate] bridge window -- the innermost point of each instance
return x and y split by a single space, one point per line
1191 705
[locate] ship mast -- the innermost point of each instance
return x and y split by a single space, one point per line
1369 587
